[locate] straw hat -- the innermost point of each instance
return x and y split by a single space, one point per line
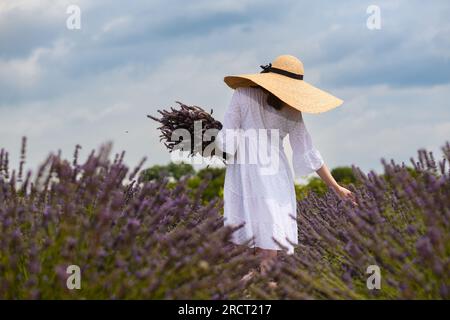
284 78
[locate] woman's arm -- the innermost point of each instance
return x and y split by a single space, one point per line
326 177
306 159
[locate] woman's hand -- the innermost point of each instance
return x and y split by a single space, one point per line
346 194
342 192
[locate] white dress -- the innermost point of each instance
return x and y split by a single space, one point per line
260 194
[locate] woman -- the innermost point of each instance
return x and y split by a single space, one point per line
260 194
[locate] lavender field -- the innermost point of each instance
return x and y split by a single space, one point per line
137 239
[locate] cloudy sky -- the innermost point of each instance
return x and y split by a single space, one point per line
63 87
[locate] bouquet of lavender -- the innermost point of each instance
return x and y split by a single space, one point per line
189 128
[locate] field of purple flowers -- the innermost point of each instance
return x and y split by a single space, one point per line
156 240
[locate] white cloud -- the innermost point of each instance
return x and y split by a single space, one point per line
380 121
20 72
116 23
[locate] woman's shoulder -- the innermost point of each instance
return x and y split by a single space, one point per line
249 91
293 114
249 94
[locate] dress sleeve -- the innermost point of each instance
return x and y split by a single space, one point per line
305 158
228 137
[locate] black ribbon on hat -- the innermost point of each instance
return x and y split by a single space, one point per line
269 68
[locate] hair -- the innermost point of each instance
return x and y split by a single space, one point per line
273 100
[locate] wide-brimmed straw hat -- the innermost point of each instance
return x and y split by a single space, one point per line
284 79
